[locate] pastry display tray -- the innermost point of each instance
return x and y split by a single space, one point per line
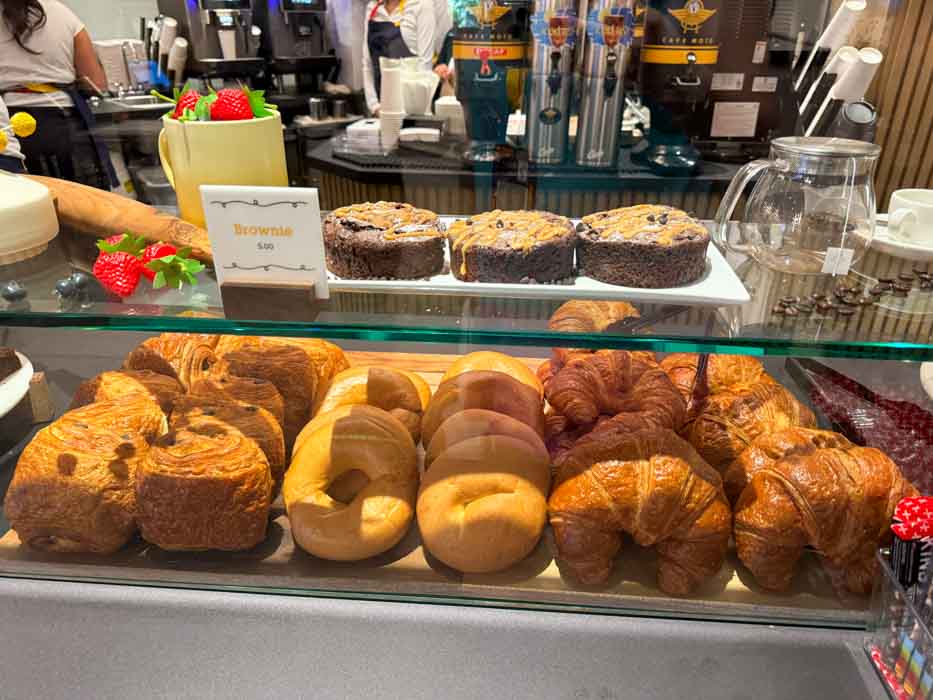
408 572
719 286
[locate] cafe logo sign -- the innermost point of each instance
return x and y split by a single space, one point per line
692 16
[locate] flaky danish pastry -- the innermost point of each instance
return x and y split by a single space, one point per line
253 421
327 359
288 369
650 484
486 389
738 402
839 501
206 486
403 394
348 439
248 390
74 485
110 385
183 356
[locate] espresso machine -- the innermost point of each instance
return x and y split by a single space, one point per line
551 79
490 59
220 34
609 32
294 39
678 59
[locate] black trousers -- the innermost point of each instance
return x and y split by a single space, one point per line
62 148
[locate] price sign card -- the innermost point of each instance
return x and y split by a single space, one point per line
266 236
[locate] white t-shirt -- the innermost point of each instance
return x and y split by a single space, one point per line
443 22
54 64
12 146
415 19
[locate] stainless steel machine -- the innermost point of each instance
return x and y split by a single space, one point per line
609 32
550 83
220 35
294 38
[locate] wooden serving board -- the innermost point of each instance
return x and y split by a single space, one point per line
409 571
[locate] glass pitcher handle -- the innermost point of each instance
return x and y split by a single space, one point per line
731 198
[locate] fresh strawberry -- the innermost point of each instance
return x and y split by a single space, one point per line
187 101
118 266
154 252
231 105
118 272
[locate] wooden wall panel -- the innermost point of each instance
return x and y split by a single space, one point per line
903 93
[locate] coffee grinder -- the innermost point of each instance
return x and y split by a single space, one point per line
490 59
219 34
678 59
609 30
294 40
550 83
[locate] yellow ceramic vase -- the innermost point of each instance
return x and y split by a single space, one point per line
249 152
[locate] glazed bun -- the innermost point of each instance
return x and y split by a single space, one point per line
495 362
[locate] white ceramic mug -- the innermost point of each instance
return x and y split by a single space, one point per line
910 216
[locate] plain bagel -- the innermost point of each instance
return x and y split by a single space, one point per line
475 422
402 393
345 440
495 362
483 504
490 390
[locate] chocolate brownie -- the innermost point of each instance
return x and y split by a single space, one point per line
647 245
385 240
512 246
9 363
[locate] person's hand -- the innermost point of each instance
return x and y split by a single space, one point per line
442 71
375 111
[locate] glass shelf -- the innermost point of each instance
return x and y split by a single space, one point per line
894 329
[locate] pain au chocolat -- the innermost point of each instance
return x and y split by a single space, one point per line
73 488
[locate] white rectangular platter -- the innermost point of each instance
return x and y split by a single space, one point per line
719 286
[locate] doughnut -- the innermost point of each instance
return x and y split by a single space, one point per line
495 362
347 439
483 504
403 394
490 390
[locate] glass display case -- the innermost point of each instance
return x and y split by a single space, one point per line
634 318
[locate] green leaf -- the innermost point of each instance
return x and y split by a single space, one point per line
159 95
127 244
175 270
159 281
202 110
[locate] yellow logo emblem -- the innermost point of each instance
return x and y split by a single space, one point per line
693 15
487 12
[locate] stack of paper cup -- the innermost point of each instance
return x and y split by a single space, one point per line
391 98
390 126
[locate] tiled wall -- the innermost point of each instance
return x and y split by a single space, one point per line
112 19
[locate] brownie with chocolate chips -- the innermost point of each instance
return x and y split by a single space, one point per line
647 246
383 240
520 247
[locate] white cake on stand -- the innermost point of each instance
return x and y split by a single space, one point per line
27 218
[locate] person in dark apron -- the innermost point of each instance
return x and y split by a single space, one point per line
395 29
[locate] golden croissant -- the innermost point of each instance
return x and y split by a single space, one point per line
186 357
839 501
650 484
738 402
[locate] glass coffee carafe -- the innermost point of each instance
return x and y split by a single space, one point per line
812 210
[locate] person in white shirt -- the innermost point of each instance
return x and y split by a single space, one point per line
11 158
443 23
45 55
395 29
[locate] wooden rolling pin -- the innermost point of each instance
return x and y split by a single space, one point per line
93 212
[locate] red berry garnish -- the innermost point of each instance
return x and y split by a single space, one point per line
231 105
